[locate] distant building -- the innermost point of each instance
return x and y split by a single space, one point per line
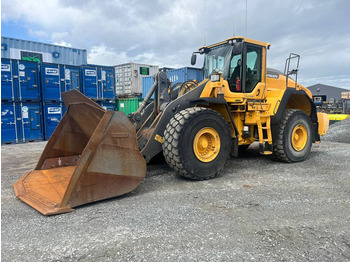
40 52
327 93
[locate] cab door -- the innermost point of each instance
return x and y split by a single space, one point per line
253 67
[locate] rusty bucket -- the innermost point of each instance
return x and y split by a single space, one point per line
92 155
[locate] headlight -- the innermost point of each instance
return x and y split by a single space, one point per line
215 78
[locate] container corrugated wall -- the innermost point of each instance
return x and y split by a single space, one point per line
129 77
128 105
21 122
175 76
40 52
20 81
184 74
98 82
52 115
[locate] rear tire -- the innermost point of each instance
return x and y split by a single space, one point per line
292 137
197 143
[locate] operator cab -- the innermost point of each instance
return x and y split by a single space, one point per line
239 60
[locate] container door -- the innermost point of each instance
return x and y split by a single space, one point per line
52 116
72 80
9 126
51 83
28 81
31 122
90 83
108 84
7 80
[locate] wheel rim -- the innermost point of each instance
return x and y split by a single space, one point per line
299 137
206 144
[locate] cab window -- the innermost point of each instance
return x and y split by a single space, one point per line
253 69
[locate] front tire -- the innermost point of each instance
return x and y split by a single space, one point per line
292 137
197 143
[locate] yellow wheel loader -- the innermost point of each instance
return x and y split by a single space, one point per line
96 154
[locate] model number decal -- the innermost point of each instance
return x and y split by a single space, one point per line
51 71
90 72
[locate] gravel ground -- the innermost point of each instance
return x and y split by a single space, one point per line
339 132
257 209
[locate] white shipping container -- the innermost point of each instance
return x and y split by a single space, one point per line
129 76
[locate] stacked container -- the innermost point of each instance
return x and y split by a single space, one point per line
21 118
129 78
98 82
56 79
175 76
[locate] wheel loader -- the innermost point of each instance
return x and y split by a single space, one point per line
96 154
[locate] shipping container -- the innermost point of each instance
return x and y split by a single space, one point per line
129 77
128 105
56 79
9 123
41 53
98 82
52 115
51 82
175 76
30 116
28 81
147 83
71 76
108 105
8 83
183 74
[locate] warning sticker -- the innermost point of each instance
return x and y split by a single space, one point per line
67 74
24 112
22 73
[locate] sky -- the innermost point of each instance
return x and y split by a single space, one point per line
166 32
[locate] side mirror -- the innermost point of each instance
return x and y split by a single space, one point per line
193 59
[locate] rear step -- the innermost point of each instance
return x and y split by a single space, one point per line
92 155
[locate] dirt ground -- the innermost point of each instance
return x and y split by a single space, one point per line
256 209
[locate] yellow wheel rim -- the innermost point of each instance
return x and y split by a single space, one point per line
206 144
299 137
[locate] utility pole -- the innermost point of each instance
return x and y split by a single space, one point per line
246 18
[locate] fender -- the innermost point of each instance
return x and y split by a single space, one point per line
287 96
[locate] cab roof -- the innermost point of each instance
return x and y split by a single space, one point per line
239 38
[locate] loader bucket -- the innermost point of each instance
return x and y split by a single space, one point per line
92 155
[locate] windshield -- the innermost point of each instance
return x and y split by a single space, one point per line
218 57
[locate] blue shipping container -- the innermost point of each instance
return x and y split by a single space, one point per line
184 74
53 113
147 83
21 122
29 114
28 81
71 76
175 76
8 83
9 123
19 80
51 82
56 79
108 105
98 82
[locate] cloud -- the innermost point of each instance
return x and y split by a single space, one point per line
167 32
